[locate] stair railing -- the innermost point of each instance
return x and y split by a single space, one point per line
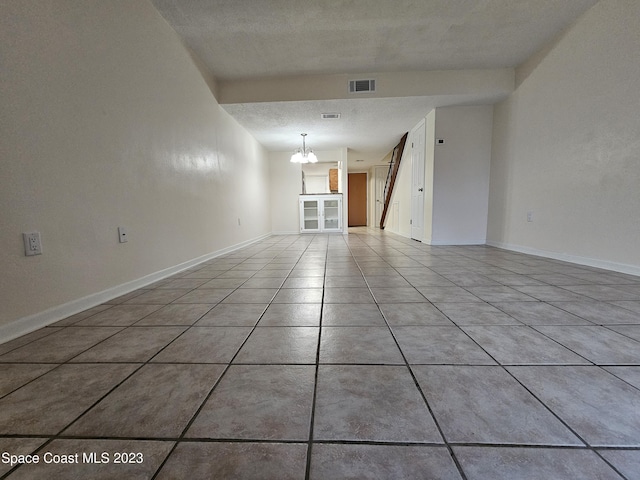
396 156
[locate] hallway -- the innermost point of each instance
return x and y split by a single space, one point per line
331 356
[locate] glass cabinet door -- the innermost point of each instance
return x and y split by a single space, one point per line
320 213
331 215
310 214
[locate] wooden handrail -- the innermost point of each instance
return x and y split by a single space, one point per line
396 156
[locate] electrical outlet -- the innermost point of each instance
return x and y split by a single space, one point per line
122 235
32 244
529 216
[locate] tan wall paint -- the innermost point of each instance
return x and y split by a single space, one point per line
566 146
106 121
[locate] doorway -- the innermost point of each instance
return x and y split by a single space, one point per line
357 199
417 181
380 181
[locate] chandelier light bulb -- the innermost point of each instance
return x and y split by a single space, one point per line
304 154
296 157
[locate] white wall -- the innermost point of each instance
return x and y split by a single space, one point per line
106 121
567 148
429 162
320 171
456 177
371 190
343 185
285 188
286 185
399 212
461 175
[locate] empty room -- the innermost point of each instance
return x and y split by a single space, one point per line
278 239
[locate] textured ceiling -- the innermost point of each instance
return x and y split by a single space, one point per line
366 126
249 38
252 39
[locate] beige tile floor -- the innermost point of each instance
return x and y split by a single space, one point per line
330 357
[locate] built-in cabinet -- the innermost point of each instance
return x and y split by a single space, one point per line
320 213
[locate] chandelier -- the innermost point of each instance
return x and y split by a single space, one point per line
304 154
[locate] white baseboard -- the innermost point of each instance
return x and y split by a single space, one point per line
454 242
450 242
589 262
38 320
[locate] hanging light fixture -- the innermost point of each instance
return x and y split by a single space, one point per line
304 154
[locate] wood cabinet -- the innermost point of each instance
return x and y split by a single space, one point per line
320 213
333 180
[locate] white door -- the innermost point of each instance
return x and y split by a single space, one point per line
417 181
381 178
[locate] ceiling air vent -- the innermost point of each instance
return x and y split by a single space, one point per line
362 86
330 116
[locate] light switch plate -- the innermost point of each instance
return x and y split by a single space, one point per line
122 235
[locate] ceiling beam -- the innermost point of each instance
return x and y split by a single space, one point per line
491 82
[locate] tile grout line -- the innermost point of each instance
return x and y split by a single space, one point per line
317 369
141 365
379 247
415 381
586 444
216 383
331 442
51 438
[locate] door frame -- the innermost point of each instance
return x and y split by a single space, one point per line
418 166
378 203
